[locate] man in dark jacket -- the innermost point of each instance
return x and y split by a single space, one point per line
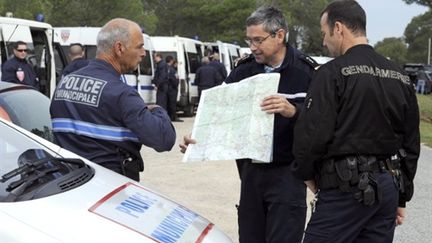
76 54
160 81
272 205
97 116
173 83
207 76
357 140
17 69
218 65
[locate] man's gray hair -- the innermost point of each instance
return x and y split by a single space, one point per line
109 34
271 18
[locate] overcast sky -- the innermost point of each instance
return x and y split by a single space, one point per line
388 18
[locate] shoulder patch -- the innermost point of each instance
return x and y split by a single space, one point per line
245 59
309 60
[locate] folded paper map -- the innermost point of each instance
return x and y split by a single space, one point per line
230 123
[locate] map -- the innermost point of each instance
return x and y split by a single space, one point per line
230 123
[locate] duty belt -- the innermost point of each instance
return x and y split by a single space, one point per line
356 174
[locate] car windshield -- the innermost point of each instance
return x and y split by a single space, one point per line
28 109
29 170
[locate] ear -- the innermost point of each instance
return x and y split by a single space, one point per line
118 48
338 28
280 34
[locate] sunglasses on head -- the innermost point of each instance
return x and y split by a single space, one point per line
21 50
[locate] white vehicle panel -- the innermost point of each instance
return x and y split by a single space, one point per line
107 208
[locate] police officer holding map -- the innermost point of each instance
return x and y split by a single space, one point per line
97 116
357 140
272 201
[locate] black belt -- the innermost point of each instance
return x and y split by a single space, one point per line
334 174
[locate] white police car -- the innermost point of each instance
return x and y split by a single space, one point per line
48 194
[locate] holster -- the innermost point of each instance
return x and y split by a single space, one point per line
130 165
354 174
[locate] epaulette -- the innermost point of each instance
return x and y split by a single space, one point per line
245 59
309 60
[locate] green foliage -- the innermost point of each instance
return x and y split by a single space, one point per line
213 20
23 8
303 18
417 33
425 108
94 13
210 20
420 2
394 49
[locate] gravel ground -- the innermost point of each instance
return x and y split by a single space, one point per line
212 189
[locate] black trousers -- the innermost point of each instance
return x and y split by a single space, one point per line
172 102
162 96
272 205
340 218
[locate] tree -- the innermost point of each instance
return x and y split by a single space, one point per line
427 3
97 12
393 48
209 20
417 33
23 8
303 18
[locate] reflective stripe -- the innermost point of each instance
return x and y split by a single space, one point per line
93 130
294 96
147 87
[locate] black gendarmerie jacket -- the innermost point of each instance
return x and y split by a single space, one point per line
358 104
296 73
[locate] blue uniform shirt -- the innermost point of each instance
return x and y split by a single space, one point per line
99 117
15 68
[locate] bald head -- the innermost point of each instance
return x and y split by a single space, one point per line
118 29
76 51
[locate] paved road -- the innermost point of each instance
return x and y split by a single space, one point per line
418 225
212 189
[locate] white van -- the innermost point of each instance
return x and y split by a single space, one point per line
228 53
86 36
188 53
245 51
39 39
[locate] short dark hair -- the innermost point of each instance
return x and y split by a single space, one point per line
169 59
349 13
18 43
157 54
270 17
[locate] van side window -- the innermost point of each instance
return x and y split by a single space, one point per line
145 64
194 61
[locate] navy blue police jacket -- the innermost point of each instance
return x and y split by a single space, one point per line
99 117
75 65
207 76
296 72
12 66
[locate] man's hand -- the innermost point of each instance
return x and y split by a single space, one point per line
311 185
400 216
278 104
186 141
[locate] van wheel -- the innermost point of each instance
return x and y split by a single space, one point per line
189 110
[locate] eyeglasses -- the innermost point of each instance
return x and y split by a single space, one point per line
257 40
21 50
